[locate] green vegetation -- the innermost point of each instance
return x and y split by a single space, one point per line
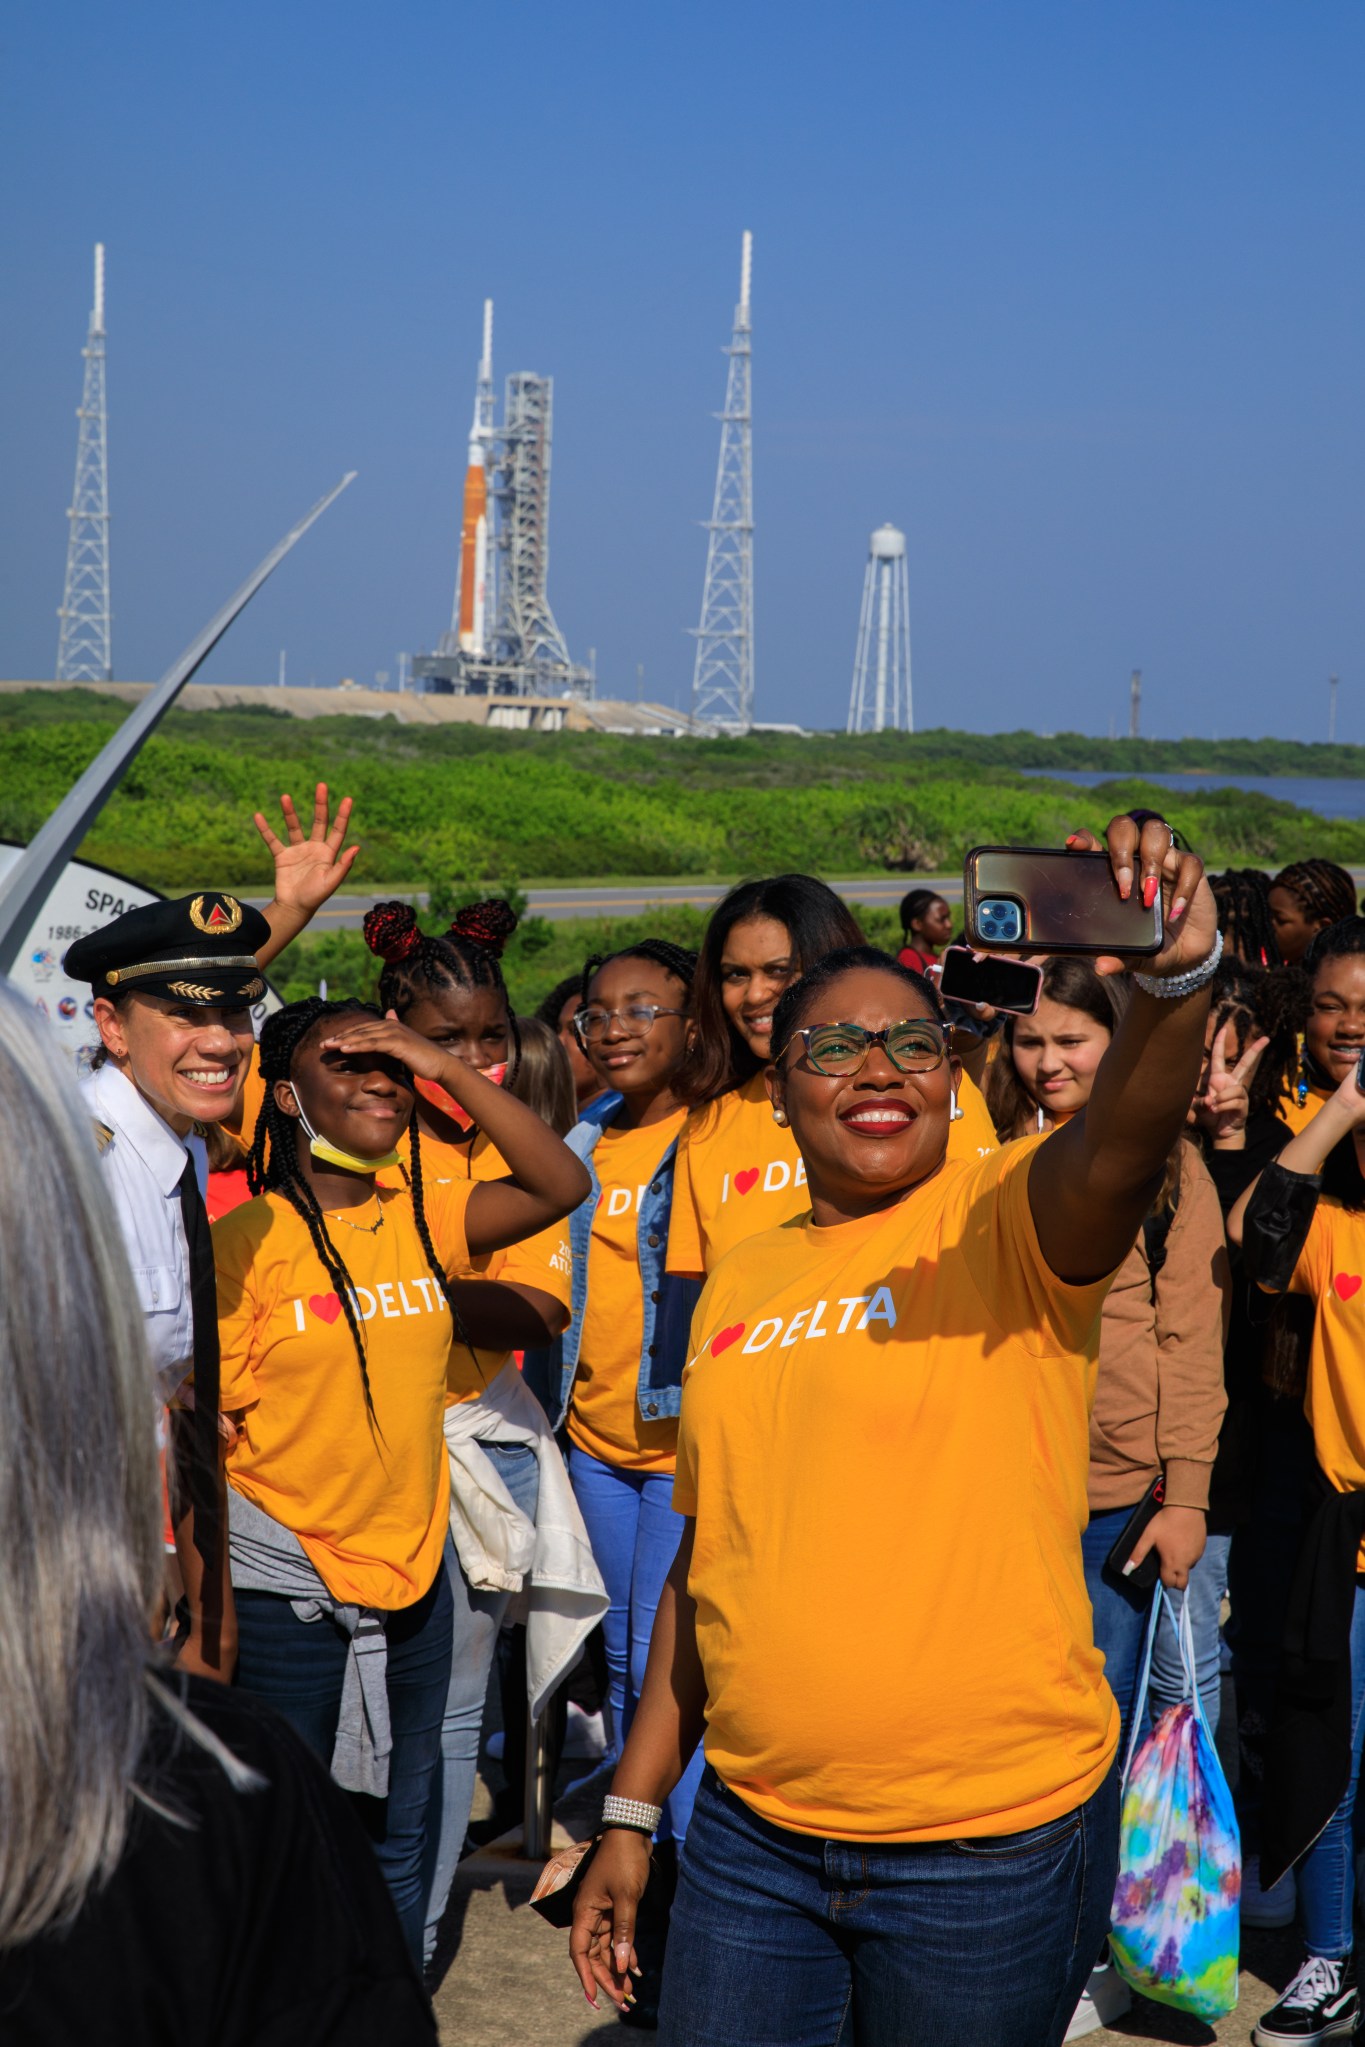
442 805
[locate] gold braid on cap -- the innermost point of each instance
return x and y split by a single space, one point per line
243 963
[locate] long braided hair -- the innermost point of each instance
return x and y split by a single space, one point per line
1325 891
1242 895
272 1167
467 955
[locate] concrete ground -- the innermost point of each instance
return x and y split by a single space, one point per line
510 1984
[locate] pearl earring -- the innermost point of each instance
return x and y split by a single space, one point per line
955 1114
780 1118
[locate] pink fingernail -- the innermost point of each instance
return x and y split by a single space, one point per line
1178 908
1149 889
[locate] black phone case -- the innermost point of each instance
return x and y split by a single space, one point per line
1146 1511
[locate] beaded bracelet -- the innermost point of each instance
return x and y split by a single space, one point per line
632 1813
1167 987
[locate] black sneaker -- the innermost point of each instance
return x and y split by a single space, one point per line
1321 2002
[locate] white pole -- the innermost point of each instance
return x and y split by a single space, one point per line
884 571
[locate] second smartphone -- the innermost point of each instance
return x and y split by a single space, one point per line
1002 983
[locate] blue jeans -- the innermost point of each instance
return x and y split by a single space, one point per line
634 1534
1121 1613
474 1638
1208 1583
782 1940
297 1667
1327 1873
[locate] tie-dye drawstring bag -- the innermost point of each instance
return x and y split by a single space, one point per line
1176 1906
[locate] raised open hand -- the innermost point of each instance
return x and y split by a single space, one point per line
312 866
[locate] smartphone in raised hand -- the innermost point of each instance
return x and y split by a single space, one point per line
1041 899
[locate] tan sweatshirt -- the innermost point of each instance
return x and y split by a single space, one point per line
1160 1398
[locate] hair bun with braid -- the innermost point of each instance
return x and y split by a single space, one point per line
392 931
489 924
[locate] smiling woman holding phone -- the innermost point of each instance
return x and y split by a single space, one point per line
836 1623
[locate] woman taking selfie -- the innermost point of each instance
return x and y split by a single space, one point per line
863 1839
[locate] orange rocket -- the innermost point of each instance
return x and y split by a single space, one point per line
474 555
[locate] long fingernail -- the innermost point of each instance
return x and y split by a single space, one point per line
1129 1568
592 2002
1149 889
1125 878
1178 908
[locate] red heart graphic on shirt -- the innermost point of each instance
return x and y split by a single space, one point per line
326 1305
745 1180
726 1338
1346 1284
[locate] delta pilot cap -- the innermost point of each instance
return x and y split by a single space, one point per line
199 949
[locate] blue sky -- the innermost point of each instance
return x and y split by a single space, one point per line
1071 292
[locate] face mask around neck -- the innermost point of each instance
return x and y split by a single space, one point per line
328 1154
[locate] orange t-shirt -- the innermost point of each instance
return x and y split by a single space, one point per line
738 1172
544 1261
1331 1271
884 1440
368 1500
604 1408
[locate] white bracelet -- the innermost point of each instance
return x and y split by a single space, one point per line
632 1813
1167 987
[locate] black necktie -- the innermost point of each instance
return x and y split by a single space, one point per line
199 1440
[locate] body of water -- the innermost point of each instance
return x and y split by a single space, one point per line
1328 795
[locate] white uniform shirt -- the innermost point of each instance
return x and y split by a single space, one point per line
142 1164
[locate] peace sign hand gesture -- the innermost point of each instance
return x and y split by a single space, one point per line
1222 1109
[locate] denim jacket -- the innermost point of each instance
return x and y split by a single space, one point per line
668 1299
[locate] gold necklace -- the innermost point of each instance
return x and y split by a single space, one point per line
365 1229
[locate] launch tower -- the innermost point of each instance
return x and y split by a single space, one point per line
84 647
881 663
503 638
723 679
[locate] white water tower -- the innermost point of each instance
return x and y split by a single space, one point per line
881 665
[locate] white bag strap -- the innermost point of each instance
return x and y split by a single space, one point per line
1185 1636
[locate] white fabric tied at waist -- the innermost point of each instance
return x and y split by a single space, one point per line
267 1557
549 1564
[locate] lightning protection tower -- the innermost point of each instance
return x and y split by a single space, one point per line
723 679
84 652
881 663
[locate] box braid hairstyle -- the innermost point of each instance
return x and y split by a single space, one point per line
677 960
465 956
1242 895
272 1165
1325 891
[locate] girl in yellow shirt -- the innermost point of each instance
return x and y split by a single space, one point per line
337 1289
619 1367
878 1615
449 989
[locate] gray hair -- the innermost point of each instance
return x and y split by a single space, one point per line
80 1500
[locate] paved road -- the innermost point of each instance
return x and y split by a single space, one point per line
633 898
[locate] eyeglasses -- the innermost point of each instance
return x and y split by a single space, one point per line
914 1046
637 1021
